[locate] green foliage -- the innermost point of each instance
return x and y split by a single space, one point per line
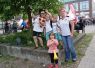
25 37
5 12
25 16
52 5
14 7
11 8
7 15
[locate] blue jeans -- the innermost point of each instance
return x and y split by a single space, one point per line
69 47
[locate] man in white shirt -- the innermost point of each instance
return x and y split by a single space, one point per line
37 29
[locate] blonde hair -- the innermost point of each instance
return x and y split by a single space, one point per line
54 18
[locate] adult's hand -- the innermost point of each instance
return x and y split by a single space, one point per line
72 34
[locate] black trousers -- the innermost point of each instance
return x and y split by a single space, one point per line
52 58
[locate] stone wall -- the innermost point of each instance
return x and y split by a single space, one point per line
40 55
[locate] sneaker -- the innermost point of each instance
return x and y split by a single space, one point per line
74 60
66 60
51 66
56 66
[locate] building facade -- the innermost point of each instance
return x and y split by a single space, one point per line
93 8
82 7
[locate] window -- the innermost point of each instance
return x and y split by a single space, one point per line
74 4
84 5
67 1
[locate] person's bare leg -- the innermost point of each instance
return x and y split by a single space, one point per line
35 40
40 40
60 42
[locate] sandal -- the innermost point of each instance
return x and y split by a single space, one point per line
36 47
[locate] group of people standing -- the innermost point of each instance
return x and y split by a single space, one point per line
10 27
56 29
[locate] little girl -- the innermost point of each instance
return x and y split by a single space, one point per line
52 44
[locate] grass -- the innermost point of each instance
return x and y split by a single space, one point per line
6 58
82 46
80 49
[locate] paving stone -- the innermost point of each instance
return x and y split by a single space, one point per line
88 61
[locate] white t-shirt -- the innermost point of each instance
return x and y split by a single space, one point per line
33 21
64 26
54 27
48 26
19 22
37 27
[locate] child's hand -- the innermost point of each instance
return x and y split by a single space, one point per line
52 42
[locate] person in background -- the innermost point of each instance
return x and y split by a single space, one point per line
23 25
52 44
6 27
82 24
14 26
93 20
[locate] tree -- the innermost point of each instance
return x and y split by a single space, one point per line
14 7
5 12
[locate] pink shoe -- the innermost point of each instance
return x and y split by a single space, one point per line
56 66
51 66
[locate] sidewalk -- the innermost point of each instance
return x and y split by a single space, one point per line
88 61
1 31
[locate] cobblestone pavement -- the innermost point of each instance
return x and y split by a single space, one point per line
88 61
20 63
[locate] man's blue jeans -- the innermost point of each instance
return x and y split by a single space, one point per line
69 47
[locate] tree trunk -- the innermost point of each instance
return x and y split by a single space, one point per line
30 20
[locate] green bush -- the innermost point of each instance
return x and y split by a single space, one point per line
26 38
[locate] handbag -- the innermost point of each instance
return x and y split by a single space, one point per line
55 55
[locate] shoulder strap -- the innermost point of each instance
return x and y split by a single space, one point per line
51 23
59 17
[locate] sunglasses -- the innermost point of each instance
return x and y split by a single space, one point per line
42 12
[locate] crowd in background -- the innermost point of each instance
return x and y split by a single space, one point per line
20 24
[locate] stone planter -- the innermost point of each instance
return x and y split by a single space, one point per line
40 56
